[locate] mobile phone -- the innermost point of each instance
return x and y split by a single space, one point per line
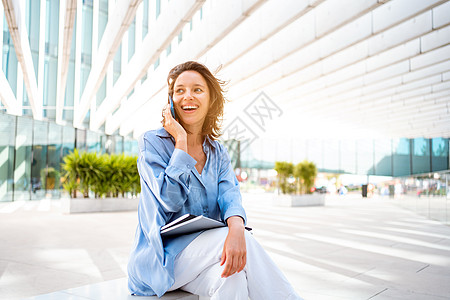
172 110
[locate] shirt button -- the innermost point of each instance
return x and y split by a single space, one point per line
189 166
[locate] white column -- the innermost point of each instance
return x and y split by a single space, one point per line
67 13
124 59
41 61
124 13
1 31
95 17
15 16
7 96
19 91
77 80
138 35
110 74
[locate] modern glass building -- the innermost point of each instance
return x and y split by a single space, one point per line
91 74
30 149
378 157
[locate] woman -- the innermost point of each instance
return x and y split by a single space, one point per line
183 170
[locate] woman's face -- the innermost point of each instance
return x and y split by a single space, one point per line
191 98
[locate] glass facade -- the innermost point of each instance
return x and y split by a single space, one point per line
426 194
31 153
44 43
7 126
382 157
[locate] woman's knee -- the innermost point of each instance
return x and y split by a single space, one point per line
232 287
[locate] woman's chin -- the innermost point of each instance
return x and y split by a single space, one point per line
190 122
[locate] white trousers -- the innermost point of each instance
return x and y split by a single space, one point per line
198 270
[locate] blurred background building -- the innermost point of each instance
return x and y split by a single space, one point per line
358 87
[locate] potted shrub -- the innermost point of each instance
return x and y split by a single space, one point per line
295 184
70 169
104 181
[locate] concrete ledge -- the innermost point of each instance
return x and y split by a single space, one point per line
299 200
113 289
82 205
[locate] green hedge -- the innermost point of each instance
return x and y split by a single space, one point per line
103 174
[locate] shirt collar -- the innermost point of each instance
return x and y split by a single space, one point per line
162 132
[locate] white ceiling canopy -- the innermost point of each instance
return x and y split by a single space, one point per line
333 68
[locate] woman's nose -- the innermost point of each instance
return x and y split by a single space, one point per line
188 94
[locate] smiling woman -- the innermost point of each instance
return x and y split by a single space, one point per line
185 170
196 82
191 97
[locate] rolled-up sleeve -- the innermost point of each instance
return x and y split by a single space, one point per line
166 177
229 199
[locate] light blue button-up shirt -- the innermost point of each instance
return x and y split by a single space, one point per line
170 187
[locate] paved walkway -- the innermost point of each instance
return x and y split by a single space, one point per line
352 248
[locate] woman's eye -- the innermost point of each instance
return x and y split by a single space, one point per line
179 91
198 90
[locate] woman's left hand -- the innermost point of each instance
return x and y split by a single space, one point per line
234 254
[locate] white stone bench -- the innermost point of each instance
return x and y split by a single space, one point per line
109 290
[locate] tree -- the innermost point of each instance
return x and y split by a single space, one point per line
284 171
305 173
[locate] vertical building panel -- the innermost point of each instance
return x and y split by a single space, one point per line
421 156
52 181
401 157
331 155
348 156
39 159
51 58
383 157
365 156
102 19
439 154
9 58
7 134
22 163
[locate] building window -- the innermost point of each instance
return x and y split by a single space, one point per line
158 8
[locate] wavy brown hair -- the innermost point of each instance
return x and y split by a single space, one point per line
213 121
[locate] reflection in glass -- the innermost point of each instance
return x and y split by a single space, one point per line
119 144
331 155
39 160
440 154
348 156
364 157
53 177
22 166
383 157
401 157
421 156
401 146
7 130
68 140
93 141
314 151
80 140
103 19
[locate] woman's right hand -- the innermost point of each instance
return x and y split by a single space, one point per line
175 129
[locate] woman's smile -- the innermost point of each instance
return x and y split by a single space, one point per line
189 108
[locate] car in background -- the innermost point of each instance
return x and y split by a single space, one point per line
320 190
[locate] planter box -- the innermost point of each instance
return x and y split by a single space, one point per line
299 200
88 205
